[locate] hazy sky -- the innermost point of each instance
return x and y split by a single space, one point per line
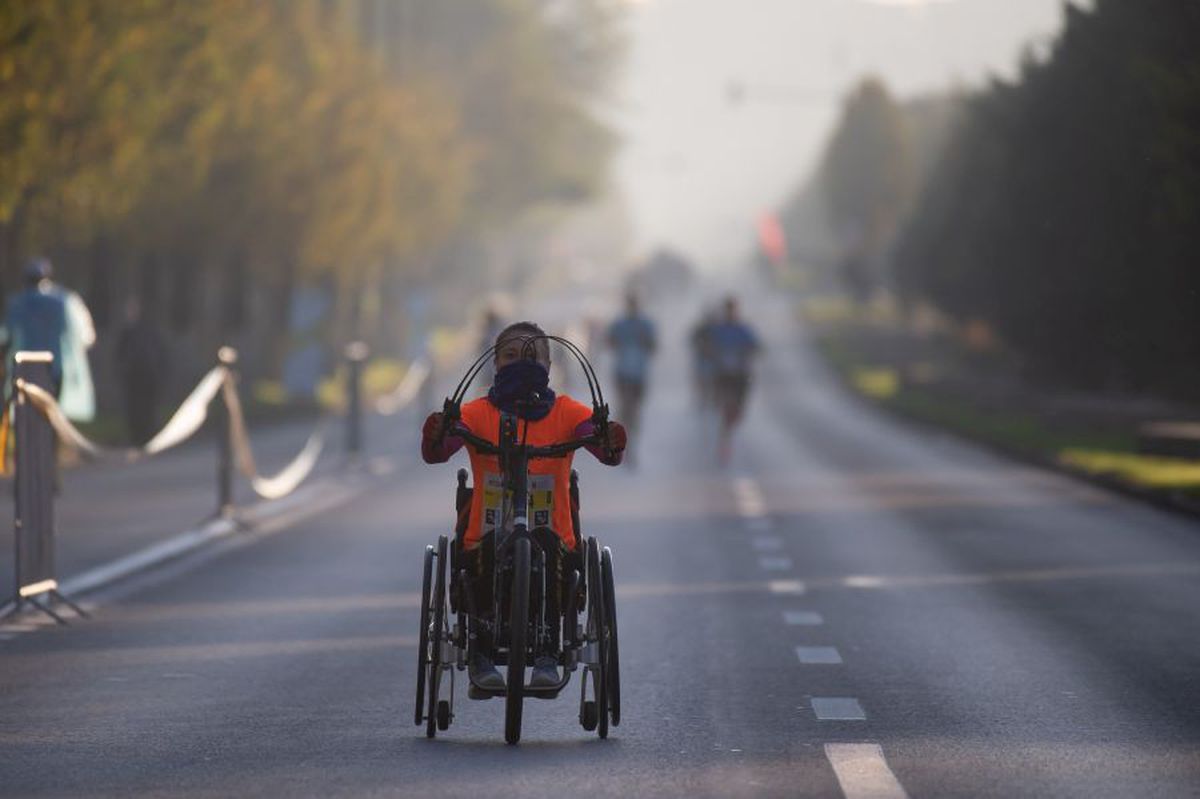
697 169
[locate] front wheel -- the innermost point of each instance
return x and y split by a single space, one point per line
518 627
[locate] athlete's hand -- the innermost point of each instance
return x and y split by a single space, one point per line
433 428
616 437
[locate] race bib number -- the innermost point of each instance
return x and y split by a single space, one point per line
541 500
497 503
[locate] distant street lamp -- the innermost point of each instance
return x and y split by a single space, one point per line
738 92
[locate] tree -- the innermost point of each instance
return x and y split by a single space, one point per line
867 174
1063 212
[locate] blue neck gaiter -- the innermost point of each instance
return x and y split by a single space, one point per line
523 388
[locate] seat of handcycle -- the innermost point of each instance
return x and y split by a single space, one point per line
572 562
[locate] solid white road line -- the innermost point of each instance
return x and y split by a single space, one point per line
775 563
863 772
838 708
785 586
818 655
802 618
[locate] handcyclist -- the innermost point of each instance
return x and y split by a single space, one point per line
733 346
521 387
633 341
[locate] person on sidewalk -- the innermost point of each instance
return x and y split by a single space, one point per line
47 317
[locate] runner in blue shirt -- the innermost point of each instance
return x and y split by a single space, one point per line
733 347
633 341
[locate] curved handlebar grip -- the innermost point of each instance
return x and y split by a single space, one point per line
600 421
451 413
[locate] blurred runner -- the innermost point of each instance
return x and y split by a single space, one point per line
490 326
633 341
703 364
734 348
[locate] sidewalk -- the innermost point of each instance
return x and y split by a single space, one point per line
108 511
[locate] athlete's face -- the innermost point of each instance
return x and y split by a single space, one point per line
517 346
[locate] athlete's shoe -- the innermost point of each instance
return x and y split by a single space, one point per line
484 674
545 673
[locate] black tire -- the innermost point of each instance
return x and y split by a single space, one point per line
518 628
423 638
597 630
439 623
613 665
588 716
443 715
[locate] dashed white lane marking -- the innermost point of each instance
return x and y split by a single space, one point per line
760 523
819 655
864 581
749 497
775 564
382 466
785 586
838 708
766 543
802 618
863 772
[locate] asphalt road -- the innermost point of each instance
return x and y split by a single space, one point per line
855 607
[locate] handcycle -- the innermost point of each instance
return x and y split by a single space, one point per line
519 623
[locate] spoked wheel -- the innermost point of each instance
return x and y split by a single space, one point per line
436 637
518 627
613 665
423 644
597 631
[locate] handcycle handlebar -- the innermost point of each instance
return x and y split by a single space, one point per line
485 447
452 415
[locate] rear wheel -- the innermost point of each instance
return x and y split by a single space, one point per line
518 627
423 638
613 665
437 636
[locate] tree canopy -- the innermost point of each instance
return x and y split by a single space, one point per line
1058 208
261 142
1063 211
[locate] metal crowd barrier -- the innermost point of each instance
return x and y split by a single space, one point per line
34 489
